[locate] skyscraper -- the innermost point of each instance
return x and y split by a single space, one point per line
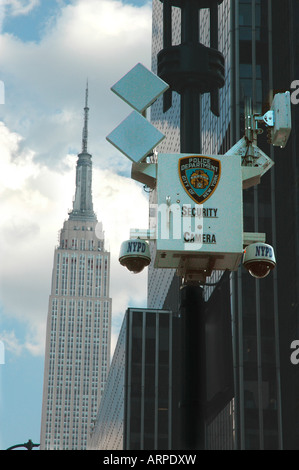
77 354
258 40
139 406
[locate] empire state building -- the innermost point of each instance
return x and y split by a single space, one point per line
77 353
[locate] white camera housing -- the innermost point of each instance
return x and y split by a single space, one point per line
135 255
259 259
281 106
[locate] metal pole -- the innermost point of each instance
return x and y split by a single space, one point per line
167 42
193 368
28 445
191 296
190 121
190 97
191 69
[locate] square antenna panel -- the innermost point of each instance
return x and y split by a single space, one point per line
281 106
135 137
140 88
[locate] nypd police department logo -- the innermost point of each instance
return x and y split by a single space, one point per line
200 176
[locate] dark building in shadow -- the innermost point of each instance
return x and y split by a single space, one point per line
250 387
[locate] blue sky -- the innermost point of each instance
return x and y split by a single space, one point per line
30 27
48 50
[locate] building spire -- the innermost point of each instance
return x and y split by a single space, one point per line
85 128
82 204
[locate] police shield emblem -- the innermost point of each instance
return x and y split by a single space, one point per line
200 176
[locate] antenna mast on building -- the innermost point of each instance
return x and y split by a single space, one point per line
85 128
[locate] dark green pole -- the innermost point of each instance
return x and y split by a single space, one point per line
193 385
191 69
28 445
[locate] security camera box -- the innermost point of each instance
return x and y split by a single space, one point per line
198 217
281 106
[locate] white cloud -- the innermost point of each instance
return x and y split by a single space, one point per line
33 342
40 137
16 8
32 202
33 211
11 342
20 7
45 80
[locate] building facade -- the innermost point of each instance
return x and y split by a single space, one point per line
138 408
107 433
259 44
285 43
259 41
77 353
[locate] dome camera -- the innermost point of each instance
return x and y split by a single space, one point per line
134 255
259 259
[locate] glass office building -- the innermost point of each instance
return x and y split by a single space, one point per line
138 407
259 41
107 431
250 323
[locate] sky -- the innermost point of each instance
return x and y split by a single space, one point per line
48 50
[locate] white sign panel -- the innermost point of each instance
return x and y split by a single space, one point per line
198 217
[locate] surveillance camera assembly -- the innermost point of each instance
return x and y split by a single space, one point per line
134 255
259 259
